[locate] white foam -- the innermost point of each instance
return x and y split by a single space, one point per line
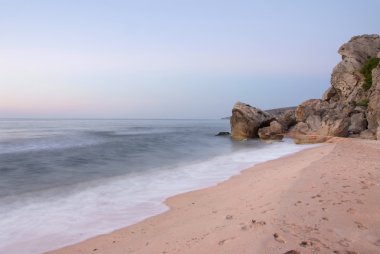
101 207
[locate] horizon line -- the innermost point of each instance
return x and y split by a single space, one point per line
100 118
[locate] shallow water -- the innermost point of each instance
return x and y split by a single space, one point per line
62 181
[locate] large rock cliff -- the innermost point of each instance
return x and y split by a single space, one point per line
350 107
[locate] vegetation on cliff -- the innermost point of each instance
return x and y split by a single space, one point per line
366 70
363 103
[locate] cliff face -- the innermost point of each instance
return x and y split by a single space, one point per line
351 106
373 113
347 79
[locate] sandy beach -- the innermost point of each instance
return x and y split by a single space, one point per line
320 200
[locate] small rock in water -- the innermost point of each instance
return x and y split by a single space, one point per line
223 133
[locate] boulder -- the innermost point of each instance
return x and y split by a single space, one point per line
334 127
287 119
274 131
327 119
300 128
358 123
310 107
246 121
367 134
314 122
322 118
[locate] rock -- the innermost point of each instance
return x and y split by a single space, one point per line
335 127
300 128
359 109
358 123
223 133
246 121
314 122
346 108
274 131
330 93
367 134
346 78
322 118
287 119
310 107
373 115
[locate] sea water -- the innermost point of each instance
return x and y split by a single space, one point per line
63 181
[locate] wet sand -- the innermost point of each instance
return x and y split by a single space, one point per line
320 200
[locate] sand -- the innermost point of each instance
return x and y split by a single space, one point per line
320 200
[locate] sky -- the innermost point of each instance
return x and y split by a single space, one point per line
170 59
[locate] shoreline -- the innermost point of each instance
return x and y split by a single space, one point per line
228 218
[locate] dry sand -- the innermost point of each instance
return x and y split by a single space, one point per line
321 200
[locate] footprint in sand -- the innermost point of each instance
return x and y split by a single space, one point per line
358 201
344 242
360 225
278 238
292 252
225 241
255 223
229 217
306 244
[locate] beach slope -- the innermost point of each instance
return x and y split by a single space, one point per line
320 200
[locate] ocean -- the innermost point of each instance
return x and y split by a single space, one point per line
62 181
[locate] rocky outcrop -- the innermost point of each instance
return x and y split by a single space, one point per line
350 107
358 123
373 114
246 121
319 117
274 131
346 78
309 108
343 109
287 119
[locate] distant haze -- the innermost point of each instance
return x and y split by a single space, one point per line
169 59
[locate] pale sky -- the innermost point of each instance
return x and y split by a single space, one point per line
169 59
